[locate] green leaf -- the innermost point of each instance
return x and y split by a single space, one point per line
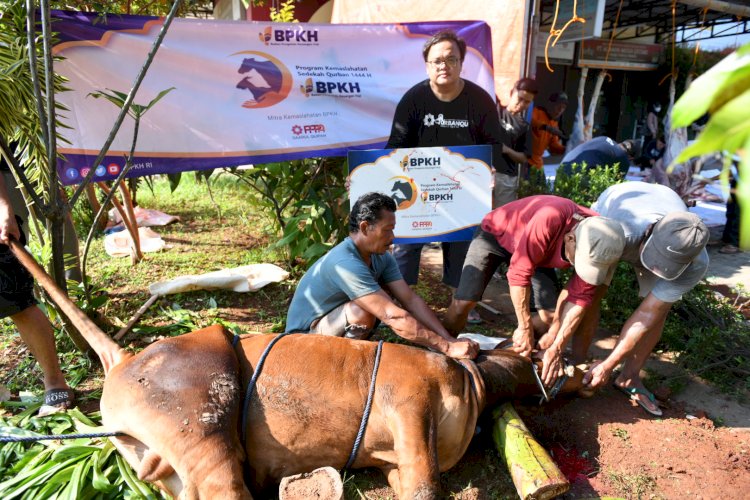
75 451
727 130
713 88
133 482
117 101
158 98
315 251
74 488
174 181
100 481
288 238
743 193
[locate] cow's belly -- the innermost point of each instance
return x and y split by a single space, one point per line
311 395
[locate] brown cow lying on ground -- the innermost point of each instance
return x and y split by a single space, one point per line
179 402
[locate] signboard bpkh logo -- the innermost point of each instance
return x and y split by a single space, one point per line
330 88
421 161
439 196
297 36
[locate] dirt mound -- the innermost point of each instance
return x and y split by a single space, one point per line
607 446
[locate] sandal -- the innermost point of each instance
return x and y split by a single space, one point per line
57 400
634 392
729 249
474 318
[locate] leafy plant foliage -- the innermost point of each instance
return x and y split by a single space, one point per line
306 202
79 468
724 92
583 185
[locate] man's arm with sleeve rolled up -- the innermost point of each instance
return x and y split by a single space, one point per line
572 307
418 324
523 336
647 320
567 319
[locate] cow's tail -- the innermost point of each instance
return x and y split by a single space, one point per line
108 351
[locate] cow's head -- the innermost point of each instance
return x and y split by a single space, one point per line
507 375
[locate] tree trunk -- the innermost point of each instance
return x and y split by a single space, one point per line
578 133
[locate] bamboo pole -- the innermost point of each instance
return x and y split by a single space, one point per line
534 473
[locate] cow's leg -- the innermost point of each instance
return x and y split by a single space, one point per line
391 474
415 444
149 466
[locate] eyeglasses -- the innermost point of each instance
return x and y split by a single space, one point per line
450 62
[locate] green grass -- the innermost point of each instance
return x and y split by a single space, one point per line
621 433
635 486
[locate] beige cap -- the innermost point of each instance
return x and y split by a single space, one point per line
599 245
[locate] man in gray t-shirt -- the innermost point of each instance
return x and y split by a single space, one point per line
343 293
665 244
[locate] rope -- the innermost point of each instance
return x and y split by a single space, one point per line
253 380
368 407
557 33
612 35
32 439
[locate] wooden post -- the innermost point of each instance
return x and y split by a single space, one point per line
534 473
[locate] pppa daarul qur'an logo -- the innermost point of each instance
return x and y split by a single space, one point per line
265 77
314 128
288 36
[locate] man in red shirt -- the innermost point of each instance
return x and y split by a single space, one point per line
534 236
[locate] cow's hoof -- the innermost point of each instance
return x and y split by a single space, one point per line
321 484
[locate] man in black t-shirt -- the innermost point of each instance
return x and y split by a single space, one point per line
517 144
444 110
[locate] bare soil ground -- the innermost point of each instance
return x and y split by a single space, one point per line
605 445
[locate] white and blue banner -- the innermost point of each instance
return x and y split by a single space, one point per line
244 92
442 193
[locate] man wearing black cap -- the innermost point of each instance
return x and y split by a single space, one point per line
602 151
517 141
545 129
665 244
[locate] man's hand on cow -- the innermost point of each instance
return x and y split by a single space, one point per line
462 349
597 376
523 341
552 366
